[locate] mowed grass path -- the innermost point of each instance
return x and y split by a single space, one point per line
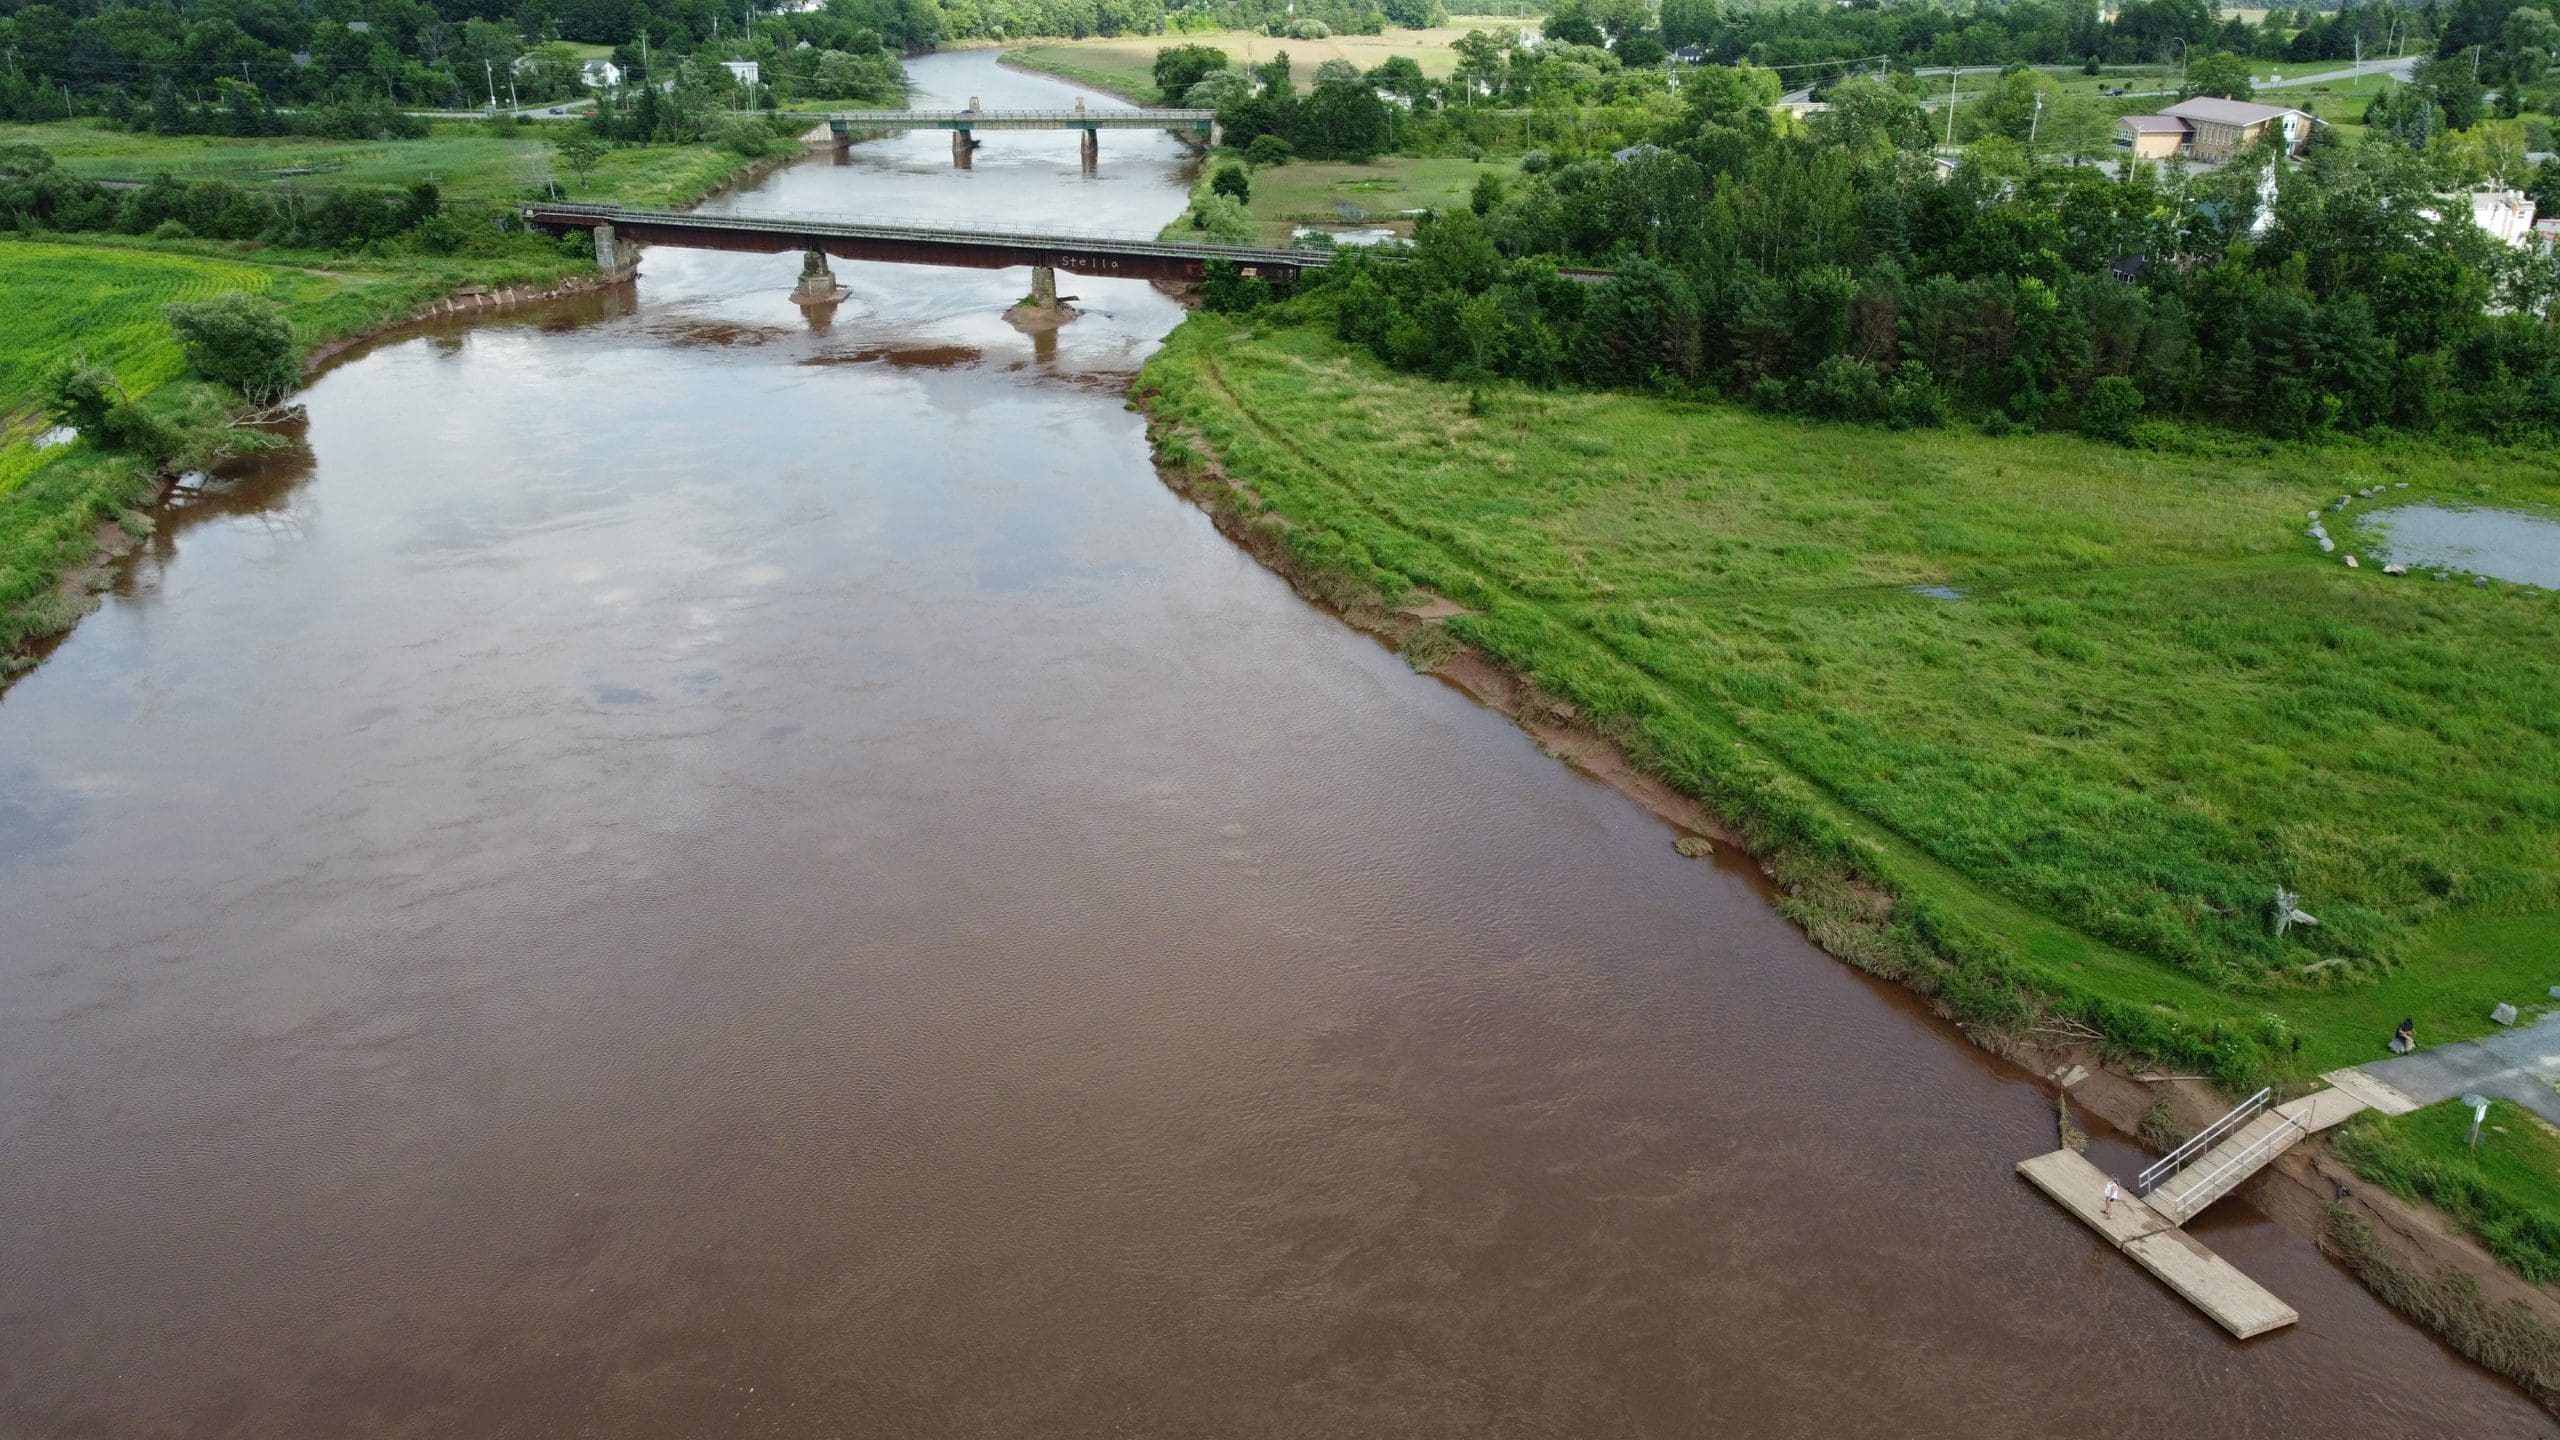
2152 702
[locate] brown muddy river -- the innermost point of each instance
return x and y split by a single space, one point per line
670 872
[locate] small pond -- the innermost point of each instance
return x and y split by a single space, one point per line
2503 544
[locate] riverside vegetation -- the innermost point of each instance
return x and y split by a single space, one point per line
1944 533
90 273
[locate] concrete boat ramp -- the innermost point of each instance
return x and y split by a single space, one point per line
2146 1225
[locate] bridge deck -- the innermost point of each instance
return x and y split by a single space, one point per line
1110 119
1086 254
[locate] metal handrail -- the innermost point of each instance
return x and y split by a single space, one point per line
939 116
2203 1140
2271 1137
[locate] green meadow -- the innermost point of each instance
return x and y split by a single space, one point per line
464 159
2067 784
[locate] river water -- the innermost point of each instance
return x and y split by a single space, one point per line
674 870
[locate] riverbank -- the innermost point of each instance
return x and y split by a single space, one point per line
68 509
1430 517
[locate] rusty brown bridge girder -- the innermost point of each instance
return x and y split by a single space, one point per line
1130 258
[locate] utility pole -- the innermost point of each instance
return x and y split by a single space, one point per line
489 72
1951 106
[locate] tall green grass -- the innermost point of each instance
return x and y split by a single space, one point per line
68 300
2506 1193
2152 702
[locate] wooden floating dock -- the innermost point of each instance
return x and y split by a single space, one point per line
2209 1282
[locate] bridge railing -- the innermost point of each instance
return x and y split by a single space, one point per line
936 117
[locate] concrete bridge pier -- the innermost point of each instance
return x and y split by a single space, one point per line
817 282
840 135
618 258
1044 286
1092 149
961 144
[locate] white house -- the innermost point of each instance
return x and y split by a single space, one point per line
600 75
2505 214
745 72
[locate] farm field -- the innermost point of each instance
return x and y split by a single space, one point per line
2132 701
69 300
1125 65
461 158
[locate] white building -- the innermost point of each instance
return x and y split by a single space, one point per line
745 72
600 75
2506 214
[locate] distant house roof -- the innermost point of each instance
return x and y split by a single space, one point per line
1636 152
2153 124
1689 54
2213 111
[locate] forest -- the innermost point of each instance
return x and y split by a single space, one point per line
1836 270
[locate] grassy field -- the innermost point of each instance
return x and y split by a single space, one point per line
1336 196
101 298
2149 703
463 159
1125 66
67 300
2506 1193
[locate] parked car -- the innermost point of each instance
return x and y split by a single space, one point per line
2117 91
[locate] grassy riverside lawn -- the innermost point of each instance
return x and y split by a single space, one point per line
462 158
2506 1193
2062 799
1335 195
1125 65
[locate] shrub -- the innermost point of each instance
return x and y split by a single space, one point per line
1536 162
1841 389
240 342
1222 221
2114 404
743 135
1912 400
1231 181
1269 150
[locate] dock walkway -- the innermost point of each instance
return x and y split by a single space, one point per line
2147 1227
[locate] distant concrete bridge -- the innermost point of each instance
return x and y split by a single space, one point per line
619 231
843 125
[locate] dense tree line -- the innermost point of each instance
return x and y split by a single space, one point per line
150 59
1834 272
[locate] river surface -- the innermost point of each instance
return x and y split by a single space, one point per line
676 870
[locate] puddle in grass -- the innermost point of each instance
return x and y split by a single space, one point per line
2502 544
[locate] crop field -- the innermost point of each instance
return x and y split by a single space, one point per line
2091 704
67 300
1125 65
462 159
